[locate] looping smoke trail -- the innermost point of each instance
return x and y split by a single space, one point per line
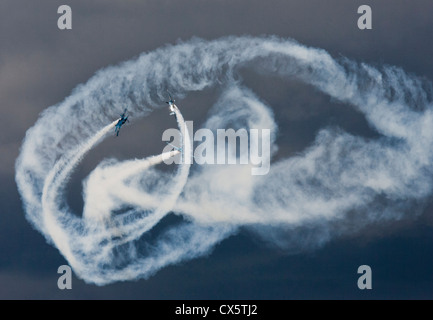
339 184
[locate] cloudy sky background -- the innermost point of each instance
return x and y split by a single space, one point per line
40 65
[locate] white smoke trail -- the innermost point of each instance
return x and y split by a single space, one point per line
339 184
56 178
97 223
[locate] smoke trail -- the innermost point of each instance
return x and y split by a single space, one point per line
106 233
56 178
339 184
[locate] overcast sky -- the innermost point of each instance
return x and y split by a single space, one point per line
40 65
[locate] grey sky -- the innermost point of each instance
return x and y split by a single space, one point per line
40 65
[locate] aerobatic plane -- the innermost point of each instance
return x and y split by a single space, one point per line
171 104
174 147
121 122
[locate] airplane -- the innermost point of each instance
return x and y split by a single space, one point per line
176 148
121 122
171 104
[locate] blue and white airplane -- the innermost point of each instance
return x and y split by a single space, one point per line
171 104
121 122
174 147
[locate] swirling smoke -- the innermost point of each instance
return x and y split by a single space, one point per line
339 184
